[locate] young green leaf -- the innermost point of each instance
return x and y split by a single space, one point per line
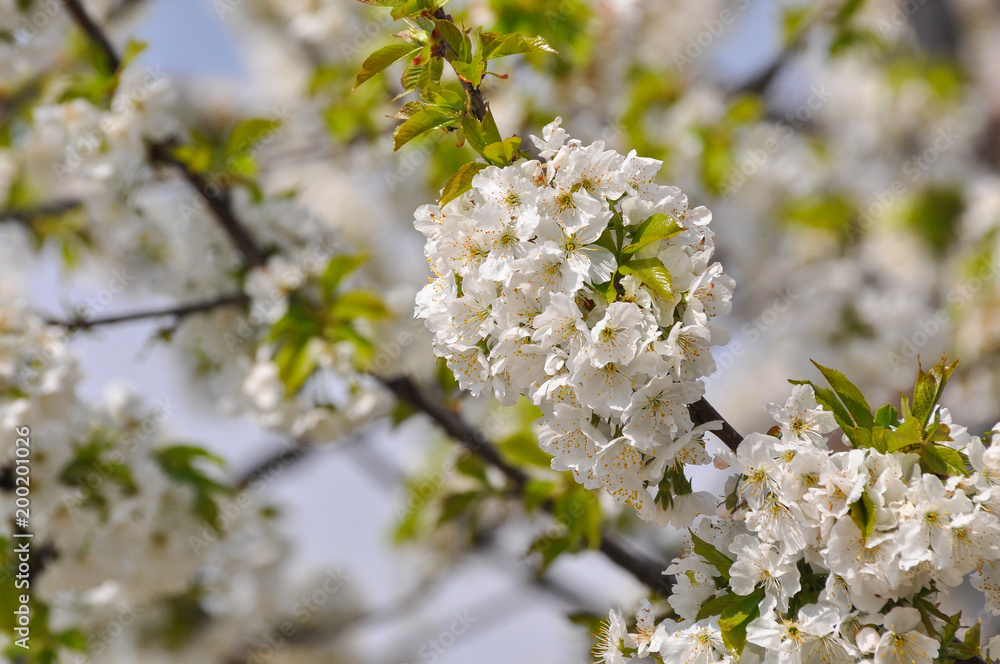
735 618
906 434
382 58
496 45
712 556
421 122
658 227
337 269
930 385
887 417
491 134
652 273
852 397
460 182
864 514
943 460
454 37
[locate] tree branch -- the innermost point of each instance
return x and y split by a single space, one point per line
94 33
703 412
477 103
646 570
25 216
218 201
177 311
160 152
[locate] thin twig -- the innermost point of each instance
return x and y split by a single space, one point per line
217 198
647 570
94 33
26 216
176 311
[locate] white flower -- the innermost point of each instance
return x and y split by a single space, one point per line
659 411
801 419
616 336
901 643
700 643
608 648
757 563
925 518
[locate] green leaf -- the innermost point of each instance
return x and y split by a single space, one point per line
132 50
182 456
579 510
247 134
384 3
473 130
852 397
73 639
536 493
907 433
503 153
496 45
382 58
460 182
652 273
522 449
421 122
456 505
180 462
550 548
423 72
337 270
491 134
712 556
455 38
413 7
828 212
864 514
904 407
607 291
973 637
658 227
735 618
717 605
887 417
359 304
470 72
296 363
930 385
943 460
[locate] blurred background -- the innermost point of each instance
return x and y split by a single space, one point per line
848 152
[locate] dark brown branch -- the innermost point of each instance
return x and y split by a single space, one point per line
94 33
217 198
703 412
290 453
647 570
477 103
176 311
26 216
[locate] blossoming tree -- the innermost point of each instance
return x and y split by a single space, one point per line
567 282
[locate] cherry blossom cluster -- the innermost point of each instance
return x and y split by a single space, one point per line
579 283
827 584
110 522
